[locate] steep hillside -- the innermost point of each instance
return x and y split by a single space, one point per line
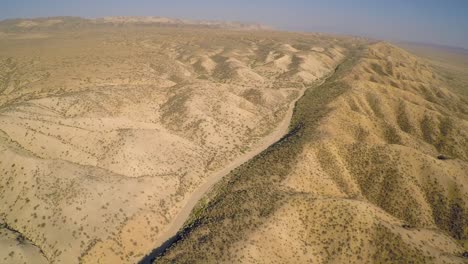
106 131
373 170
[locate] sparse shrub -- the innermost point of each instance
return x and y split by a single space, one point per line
20 239
442 157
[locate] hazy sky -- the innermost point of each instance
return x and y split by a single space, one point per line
432 21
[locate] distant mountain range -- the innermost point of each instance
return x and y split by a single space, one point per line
63 22
438 46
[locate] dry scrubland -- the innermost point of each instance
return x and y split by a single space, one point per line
374 170
107 126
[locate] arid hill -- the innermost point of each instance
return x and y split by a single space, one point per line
111 129
107 129
374 170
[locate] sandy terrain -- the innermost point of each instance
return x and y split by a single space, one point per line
107 130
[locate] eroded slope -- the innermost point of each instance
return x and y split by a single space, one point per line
373 170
